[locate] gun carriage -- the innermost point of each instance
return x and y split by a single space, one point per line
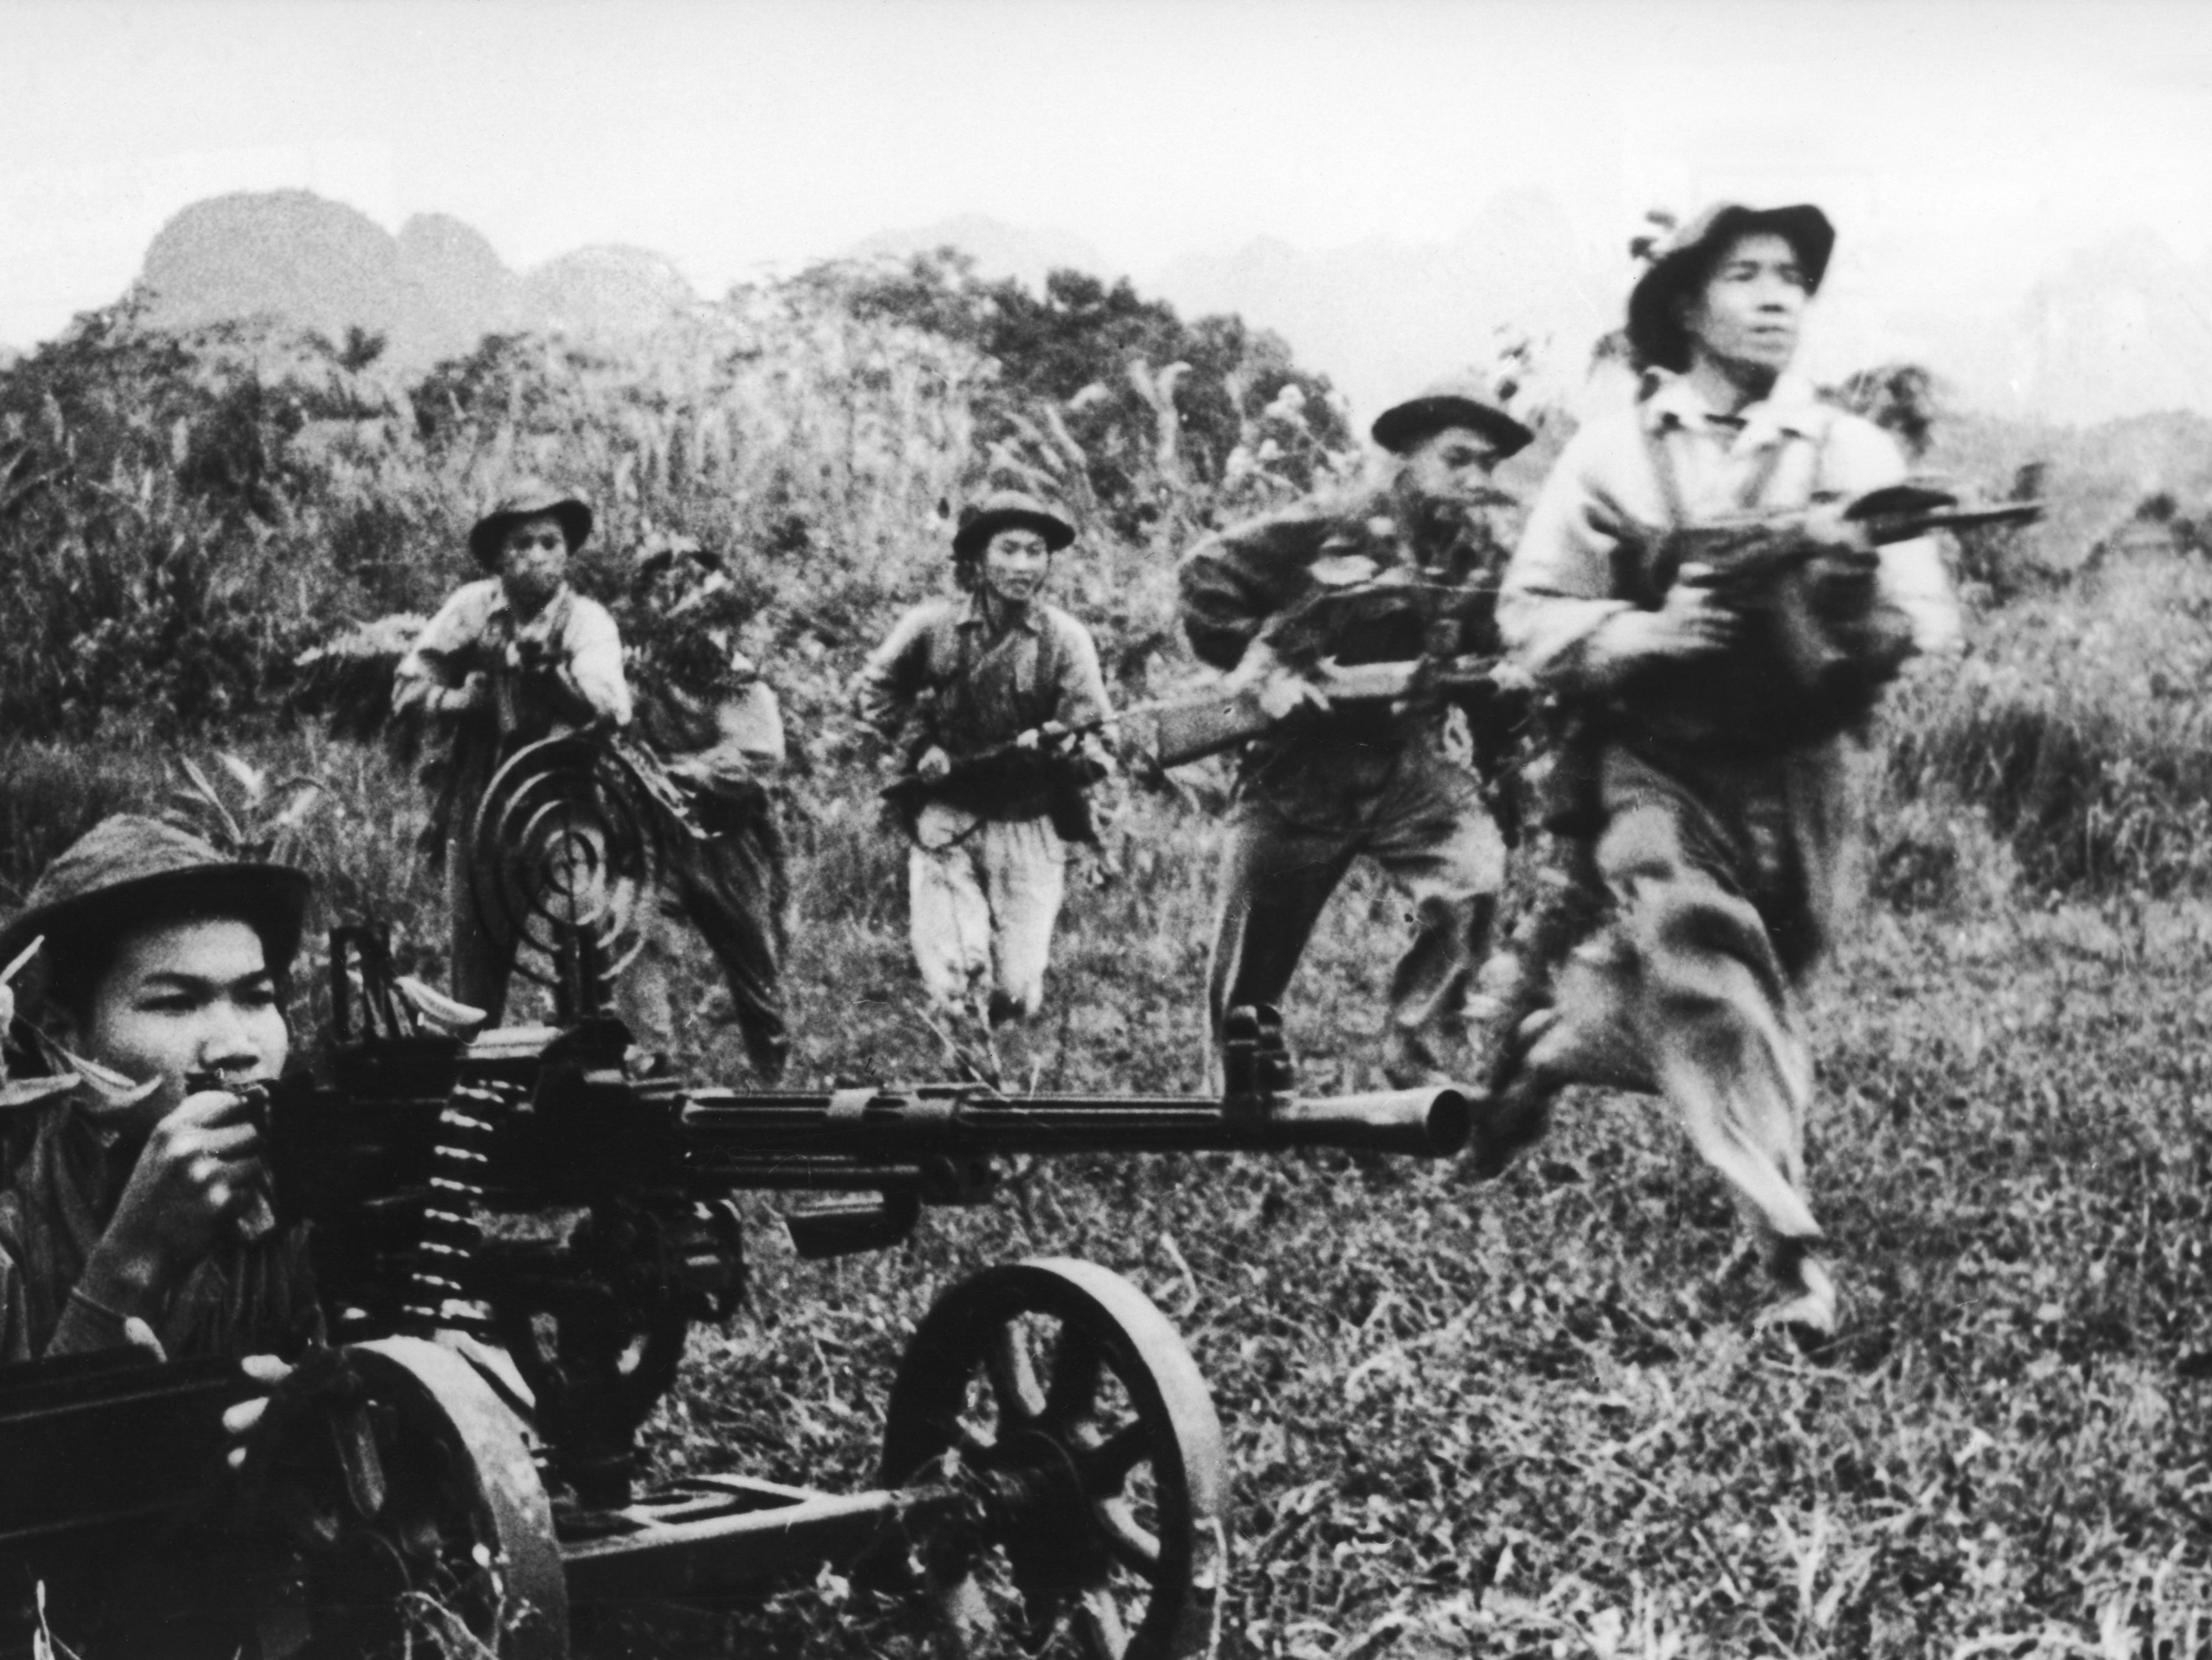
515 1231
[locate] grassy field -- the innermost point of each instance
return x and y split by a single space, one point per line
1532 1417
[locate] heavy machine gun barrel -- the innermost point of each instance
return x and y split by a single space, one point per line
941 1120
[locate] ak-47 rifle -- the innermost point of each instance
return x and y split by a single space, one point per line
1819 639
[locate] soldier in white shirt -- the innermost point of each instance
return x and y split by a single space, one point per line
1716 810
517 656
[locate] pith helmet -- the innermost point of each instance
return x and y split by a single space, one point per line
1006 510
526 499
1459 401
126 864
1655 328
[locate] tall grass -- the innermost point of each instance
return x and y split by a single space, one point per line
2078 727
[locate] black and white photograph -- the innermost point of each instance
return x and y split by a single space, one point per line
1106 829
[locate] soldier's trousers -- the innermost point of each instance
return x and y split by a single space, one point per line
484 943
1427 828
982 896
734 889
1686 993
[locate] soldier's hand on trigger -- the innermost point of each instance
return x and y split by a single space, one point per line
1046 736
200 1166
1279 688
473 692
1694 622
935 765
1826 525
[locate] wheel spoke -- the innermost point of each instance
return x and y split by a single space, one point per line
1012 1368
361 1463
1078 1364
1106 1467
1098 1625
1126 1539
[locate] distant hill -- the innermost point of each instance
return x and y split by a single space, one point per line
2122 328
1383 317
999 249
433 290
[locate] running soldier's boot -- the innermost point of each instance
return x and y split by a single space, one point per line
1807 1312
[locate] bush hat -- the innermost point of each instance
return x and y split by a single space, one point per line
1006 510
526 499
1655 328
1459 401
127 868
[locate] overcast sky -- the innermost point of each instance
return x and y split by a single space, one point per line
1956 141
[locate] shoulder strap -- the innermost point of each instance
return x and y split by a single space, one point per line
1663 468
1749 498
1753 494
1052 661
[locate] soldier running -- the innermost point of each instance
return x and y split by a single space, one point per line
516 657
977 694
1716 803
703 706
1415 565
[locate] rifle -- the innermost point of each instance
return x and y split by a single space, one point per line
1819 640
1036 751
1220 720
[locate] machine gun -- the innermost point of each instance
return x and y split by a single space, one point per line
1818 641
514 1232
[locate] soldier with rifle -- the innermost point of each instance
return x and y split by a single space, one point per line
1715 585
992 701
705 710
513 658
1402 574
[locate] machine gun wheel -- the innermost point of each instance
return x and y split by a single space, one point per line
401 1514
1065 1402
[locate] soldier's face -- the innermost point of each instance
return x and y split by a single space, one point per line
186 997
1015 564
1452 468
534 560
1750 309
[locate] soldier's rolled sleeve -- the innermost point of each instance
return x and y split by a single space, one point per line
430 668
1557 595
1862 457
594 668
1081 699
884 691
1231 584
